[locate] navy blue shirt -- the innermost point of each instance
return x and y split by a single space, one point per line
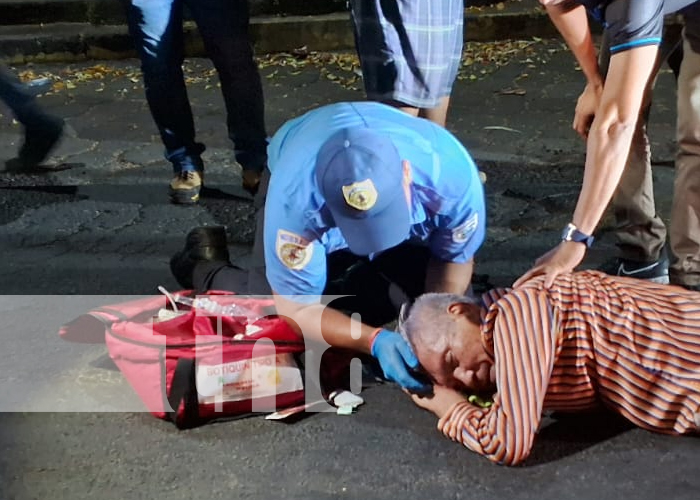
634 23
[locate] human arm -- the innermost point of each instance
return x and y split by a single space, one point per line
572 22
504 432
320 323
607 148
317 322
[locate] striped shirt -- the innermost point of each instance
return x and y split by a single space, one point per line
591 339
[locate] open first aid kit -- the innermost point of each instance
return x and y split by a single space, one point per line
191 360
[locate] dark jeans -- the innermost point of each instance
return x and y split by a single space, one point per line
22 102
374 289
156 27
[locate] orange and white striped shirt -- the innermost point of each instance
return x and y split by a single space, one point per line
631 345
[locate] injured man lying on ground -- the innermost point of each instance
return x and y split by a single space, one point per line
590 339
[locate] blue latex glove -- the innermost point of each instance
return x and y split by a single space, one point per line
397 360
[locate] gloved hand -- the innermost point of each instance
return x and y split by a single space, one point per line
397 360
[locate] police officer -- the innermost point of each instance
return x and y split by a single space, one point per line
606 113
352 187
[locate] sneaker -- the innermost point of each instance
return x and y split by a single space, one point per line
655 271
203 244
185 187
38 143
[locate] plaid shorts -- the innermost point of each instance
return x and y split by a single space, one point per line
410 50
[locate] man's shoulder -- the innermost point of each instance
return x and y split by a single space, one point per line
532 291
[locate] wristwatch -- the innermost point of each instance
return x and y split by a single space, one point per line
571 233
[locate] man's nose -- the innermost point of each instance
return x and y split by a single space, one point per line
465 377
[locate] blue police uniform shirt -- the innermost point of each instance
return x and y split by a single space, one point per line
447 196
635 23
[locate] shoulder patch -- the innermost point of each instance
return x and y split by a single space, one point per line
461 233
293 250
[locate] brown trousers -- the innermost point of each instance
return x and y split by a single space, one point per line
640 232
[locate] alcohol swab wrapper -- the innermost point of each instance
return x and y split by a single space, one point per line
345 398
345 410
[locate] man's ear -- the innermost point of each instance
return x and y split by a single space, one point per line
471 311
456 308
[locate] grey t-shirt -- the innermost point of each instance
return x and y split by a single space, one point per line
633 23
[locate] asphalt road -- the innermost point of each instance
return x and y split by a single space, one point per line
96 225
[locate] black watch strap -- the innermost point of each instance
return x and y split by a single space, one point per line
571 233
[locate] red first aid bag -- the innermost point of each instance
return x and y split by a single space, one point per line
193 366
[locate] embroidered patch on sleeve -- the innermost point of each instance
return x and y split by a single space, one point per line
293 250
461 233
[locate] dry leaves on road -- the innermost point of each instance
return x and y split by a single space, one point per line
479 59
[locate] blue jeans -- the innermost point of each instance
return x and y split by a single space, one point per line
156 27
22 102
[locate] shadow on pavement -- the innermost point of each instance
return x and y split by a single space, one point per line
566 434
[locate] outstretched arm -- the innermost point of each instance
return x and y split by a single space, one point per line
317 322
608 144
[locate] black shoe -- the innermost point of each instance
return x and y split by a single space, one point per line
655 271
203 244
38 143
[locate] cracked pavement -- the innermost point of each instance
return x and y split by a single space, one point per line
97 222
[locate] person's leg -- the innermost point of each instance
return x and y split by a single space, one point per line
447 49
224 28
221 276
672 44
438 114
432 41
411 110
156 27
257 279
640 232
41 129
685 217
373 43
21 100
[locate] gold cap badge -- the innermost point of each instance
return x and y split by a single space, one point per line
360 195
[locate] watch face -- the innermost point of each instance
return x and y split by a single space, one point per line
571 233
568 232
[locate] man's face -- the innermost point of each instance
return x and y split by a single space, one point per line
461 362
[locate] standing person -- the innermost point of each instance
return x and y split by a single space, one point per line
589 340
42 131
410 52
363 200
606 115
156 27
